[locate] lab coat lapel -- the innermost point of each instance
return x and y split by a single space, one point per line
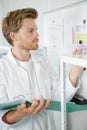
37 66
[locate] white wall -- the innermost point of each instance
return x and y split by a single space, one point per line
60 3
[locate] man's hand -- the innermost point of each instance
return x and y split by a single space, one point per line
34 108
78 51
24 111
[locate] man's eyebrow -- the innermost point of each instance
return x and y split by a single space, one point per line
32 28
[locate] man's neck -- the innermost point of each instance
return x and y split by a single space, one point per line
22 55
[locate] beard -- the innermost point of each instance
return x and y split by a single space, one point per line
35 47
35 44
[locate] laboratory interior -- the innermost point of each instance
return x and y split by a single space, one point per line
62 28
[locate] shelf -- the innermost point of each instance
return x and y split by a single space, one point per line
80 60
77 60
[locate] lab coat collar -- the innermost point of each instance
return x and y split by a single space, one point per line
35 59
33 56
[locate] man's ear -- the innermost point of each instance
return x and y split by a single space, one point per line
12 36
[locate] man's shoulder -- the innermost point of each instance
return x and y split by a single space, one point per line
2 63
2 59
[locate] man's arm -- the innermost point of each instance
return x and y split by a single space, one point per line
74 74
75 71
22 111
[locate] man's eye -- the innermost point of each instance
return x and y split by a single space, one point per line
31 31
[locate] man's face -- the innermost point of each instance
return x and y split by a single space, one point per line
27 36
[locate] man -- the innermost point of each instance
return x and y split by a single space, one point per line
26 74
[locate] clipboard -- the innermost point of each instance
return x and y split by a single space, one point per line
12 105
54 106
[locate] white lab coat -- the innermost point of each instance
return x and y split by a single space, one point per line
14 82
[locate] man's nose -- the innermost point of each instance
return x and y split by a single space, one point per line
37 34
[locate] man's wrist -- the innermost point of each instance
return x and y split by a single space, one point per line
11 117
